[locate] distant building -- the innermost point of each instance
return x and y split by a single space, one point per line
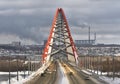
84 42
15 43
45 41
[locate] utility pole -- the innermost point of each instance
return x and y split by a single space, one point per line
89 34
24 66
9 69
17 69
89 47
28 65
101 63
97 63
34 62
113 66
95 37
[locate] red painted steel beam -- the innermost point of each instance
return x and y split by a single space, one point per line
45 53
71 40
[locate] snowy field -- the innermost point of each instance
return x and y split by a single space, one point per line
22 80
109 80
4 77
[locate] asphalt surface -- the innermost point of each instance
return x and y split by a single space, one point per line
61 73
49 76
76 77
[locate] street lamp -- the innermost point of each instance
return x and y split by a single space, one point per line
89 34
9 68
24 66
17 69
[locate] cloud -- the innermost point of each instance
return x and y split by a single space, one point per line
32 19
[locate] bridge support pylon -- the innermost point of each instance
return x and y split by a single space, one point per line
60 42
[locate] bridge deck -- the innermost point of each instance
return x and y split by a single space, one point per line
60 73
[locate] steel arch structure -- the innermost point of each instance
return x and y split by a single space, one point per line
60 41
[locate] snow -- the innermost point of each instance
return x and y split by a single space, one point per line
34 74
64 80
4 82
94 71
14 73
86 72
109 80
63 76
14 79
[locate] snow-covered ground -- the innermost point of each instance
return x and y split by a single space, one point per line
21 77
13 80
97 72
103 77
110 80
5 77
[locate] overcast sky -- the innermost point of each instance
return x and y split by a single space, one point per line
29 21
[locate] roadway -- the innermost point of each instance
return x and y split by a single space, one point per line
74 76
61 73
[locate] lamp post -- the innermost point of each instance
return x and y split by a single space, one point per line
113 59
89 34
17 69
24 66
89 58
101 62
9 69
28 65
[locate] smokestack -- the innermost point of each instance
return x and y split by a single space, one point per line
95 37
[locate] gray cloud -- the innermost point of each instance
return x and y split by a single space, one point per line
32 19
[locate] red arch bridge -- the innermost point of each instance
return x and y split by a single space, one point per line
60 64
